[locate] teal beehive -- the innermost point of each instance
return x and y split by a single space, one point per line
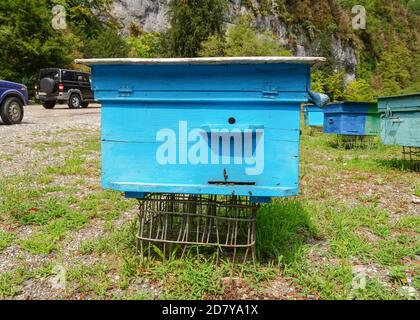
400 120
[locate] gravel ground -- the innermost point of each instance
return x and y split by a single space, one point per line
41 127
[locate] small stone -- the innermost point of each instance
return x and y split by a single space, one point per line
416 200
409 291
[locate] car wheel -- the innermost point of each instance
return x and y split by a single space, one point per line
85 104
75 101
11 111
48 104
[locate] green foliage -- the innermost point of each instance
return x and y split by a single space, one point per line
147 45
89 18
28 42
331 84
108 44
414 6
393 72
242 39
282 228
193 21
360 91
6 238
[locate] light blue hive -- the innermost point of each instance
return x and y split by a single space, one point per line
161 119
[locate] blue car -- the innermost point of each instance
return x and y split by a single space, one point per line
13 97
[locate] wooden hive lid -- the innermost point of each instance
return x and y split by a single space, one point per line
188 61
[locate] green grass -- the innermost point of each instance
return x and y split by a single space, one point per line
11 282
45 145
282 229
90 279
6 238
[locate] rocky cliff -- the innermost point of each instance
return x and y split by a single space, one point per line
150 14
306 27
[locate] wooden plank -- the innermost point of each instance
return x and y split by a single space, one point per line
141 122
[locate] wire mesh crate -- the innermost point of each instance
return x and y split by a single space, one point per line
411 157
179 221
353 142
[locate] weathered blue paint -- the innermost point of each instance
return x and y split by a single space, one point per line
400 120
351 118
138 100
314 116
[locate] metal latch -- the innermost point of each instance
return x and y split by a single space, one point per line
270 93
396 120
125 91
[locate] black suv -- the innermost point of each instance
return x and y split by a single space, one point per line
61 85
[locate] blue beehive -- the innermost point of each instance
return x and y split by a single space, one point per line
314 116
400 120
352 118
222 126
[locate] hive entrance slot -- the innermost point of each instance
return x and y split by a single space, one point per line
217 224
232 183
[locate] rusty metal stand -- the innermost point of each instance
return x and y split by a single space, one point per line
355 141
315 130
168 222
411 157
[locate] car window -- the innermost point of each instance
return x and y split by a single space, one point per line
53 74
68 75
83 77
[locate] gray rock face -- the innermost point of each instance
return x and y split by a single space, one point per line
149 14
152 15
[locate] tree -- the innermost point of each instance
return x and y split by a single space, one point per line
393 72
108 44
242 39
360 91
89 18
330 83
193 21
28 42
146 45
